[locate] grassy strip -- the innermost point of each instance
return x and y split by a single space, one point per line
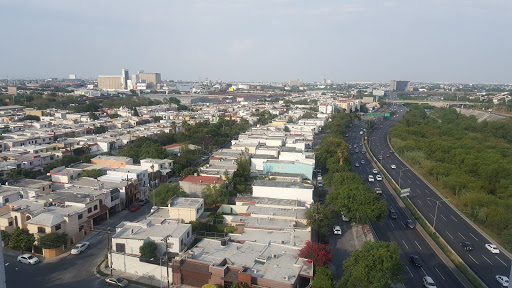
475 281
99 272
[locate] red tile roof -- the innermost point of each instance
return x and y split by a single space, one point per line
203 179
172 146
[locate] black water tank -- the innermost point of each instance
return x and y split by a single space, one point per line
223 242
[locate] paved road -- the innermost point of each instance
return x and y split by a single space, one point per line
408 240
67 270
450 225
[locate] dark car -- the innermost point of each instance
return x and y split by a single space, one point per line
467 246
410 223
143 202
415 260
134 207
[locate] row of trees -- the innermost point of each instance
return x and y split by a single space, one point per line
23 240
470 160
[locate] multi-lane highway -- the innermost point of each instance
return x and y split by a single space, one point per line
408 239
449 224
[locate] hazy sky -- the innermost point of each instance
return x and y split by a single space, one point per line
260 40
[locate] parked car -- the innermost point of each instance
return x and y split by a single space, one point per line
492 248
387 155
336 230
153 209
378 177
28 259
410 223
143 202
119 282
79 247
503 280
415 260
467 246
134 207
428 282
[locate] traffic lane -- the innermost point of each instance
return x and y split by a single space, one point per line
341 247
457 225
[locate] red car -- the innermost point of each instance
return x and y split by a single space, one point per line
134 207
387 155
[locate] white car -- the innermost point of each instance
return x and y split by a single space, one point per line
378 177
345 218
503 280
79 247
362 162
375 171
336 230
378 191
492 248
370 178
428 282
28 259
393 166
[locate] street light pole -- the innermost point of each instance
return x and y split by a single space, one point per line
400 176
435 214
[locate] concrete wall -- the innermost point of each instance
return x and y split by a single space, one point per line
52 253
290 168
130 264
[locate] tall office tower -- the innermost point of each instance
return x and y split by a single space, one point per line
124 78
72 76
110 82
400 85
151 79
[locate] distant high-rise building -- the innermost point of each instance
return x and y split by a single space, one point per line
110 82
399 85
124 78
72 76
151 79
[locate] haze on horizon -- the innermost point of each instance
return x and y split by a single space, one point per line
264 40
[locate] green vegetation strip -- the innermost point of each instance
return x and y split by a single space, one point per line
470 276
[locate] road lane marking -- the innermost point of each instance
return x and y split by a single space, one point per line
391 222
500 260
449 234
405 244
454 218
473 236
442 216
487 260
462 236
408 181
409 271
424 271
431 215
427 192
418 182
439 273
417 244
419 202
402 223
472 258
429 203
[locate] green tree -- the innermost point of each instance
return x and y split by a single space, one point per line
322 278
214 194
320 218
91 173
209 285
53 240
14 174
242 175
5 237
161 195
374 265
148 250
21 239
93 116
240 285
32 117
135 112
286 129
174 100
157 118
113 116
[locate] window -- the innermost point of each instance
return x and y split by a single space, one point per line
11 223
28 218
57 227
101 202
80 216
95 207
120 247
89 210
41 230
188 234
80 228
6 200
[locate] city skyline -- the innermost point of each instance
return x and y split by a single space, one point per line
264 41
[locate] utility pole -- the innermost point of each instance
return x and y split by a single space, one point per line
109 251
435 214
167 261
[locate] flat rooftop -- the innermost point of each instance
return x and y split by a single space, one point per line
296 238
281 184
250 200
185 202
285 262
153 228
